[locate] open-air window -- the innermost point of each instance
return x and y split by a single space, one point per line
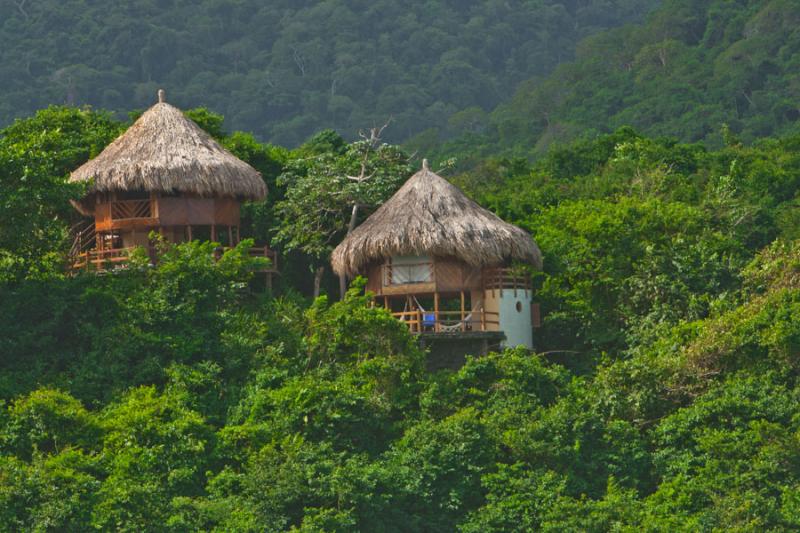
408 269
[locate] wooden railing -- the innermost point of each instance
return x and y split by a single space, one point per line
404 274
449 321
505 278
84 238
128 209
100 260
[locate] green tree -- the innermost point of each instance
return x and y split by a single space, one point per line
36 156
327 194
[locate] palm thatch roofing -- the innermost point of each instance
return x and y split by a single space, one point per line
430 216
166 152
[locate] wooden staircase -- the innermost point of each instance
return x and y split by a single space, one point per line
84 238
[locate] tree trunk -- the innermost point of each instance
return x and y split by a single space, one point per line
318 280
350 227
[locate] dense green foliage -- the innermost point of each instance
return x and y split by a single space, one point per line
179 397
692 67
285 69
640 232
664 392
36 155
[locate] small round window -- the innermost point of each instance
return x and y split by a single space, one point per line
519 307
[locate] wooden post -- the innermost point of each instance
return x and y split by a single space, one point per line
483 319
189 230
154 204
230 236
436 312
463 324
386 303
213 233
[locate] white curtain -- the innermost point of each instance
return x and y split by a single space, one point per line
410 269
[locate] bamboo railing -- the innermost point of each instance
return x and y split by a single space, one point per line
101 260
505 278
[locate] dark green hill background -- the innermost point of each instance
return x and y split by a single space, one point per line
286 69
692 67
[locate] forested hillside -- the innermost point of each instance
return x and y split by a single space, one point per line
692 67
286 69
664 395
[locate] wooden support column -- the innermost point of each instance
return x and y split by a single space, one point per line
483 319
463 316
189 231
154 204
230 235
436 311
213 233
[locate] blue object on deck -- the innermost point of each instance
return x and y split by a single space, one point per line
428 319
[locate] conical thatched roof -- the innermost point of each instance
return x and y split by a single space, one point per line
165 151
430 216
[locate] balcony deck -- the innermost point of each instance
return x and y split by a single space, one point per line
449 321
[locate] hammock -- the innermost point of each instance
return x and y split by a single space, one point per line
429 319
457 326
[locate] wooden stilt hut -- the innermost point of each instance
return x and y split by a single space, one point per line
164 174
444 265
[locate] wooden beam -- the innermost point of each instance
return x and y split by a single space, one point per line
154 204
436 311
463 316
410 288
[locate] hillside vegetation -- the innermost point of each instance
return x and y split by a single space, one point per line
180 398
692 67
663 393
284 69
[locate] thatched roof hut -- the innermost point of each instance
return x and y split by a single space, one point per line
430 216
166 152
